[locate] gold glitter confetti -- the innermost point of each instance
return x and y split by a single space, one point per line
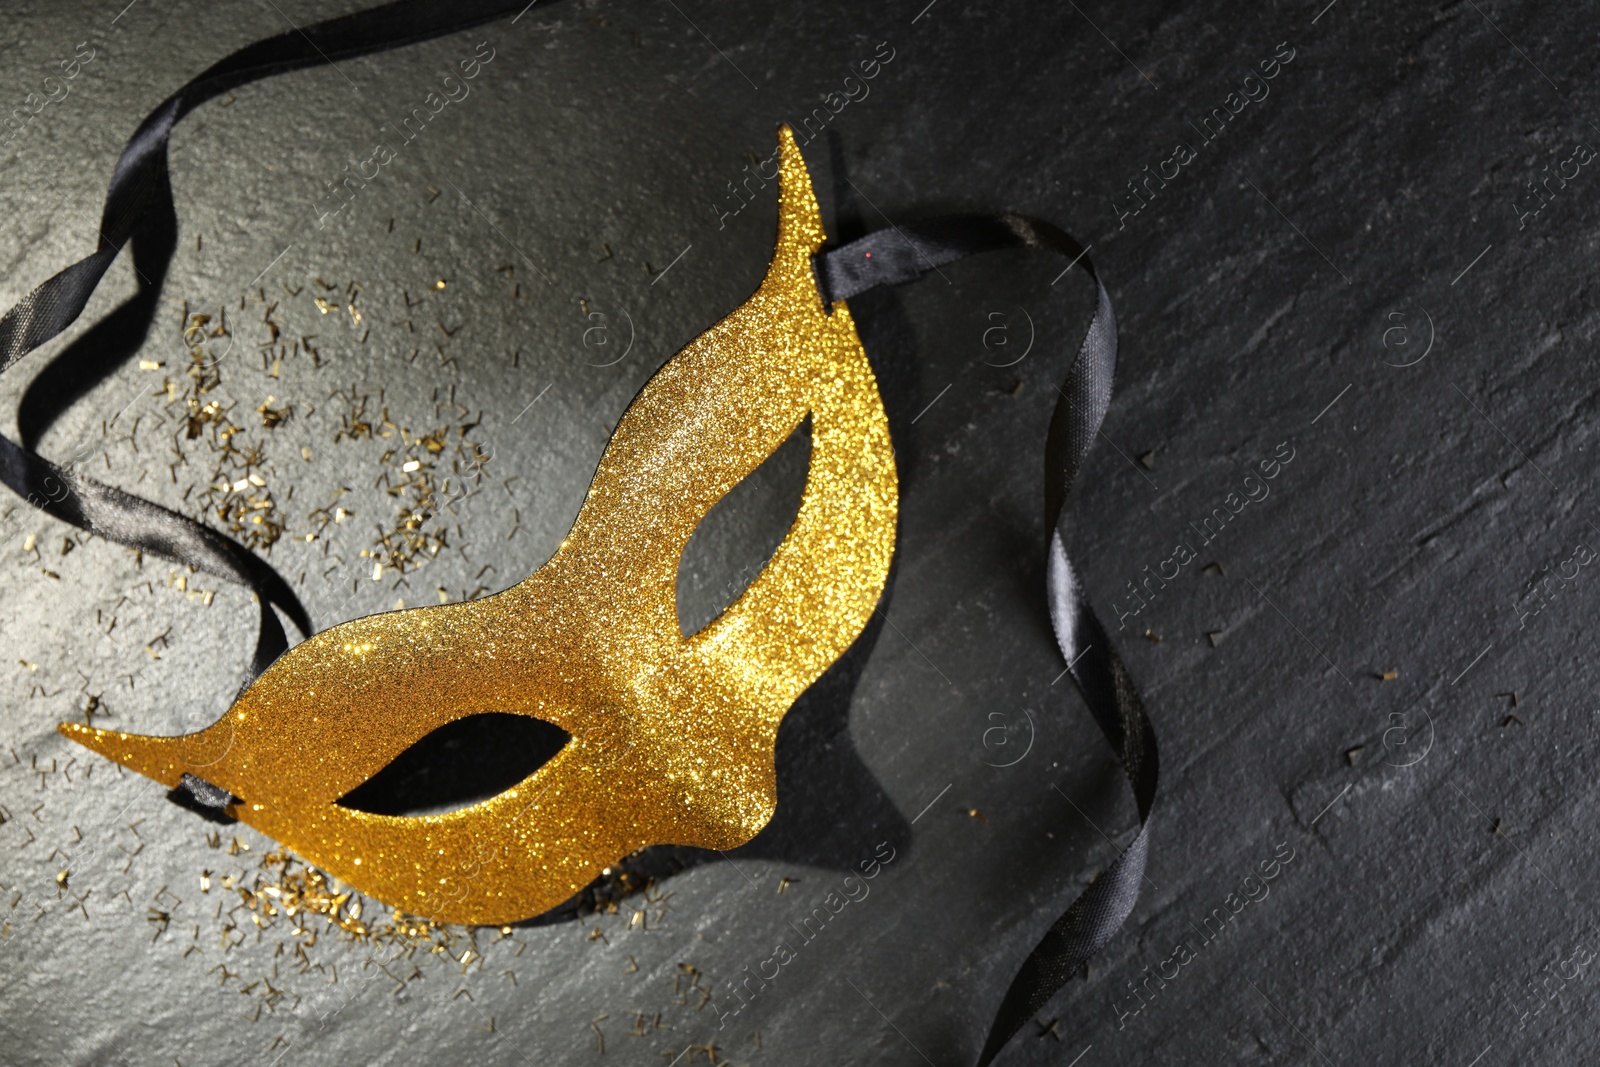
672 738
271 416
237 494
418 533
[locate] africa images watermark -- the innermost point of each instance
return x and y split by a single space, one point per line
1540 192
1546 588
1215 924
1142 188
1548 985
1209 528
852 89
344 189
855 890
24 113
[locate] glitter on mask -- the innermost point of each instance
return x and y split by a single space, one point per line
672 738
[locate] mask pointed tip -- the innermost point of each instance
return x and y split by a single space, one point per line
800 231
154 757
84 735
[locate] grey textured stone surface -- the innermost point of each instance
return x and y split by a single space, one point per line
1371 206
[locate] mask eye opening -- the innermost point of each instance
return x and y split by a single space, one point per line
735 540
459 764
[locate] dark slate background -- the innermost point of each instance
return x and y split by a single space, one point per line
1368 210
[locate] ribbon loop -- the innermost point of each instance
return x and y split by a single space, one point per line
904 253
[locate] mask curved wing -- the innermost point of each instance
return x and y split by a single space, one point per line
672 737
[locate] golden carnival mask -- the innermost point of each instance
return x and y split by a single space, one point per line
672 737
